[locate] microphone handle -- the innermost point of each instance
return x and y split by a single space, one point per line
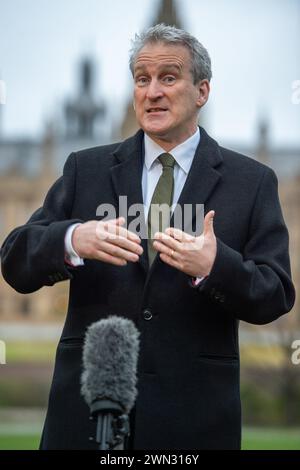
112 423
105 435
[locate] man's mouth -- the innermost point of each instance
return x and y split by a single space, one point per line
156 110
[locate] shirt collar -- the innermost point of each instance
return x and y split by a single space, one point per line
183 153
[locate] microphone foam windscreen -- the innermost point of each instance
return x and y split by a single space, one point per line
110 356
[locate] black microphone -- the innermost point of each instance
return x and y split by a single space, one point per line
108 381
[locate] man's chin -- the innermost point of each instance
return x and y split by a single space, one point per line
157 131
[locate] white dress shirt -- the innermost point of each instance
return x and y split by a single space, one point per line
152 170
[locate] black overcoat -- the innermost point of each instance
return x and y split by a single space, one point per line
188 370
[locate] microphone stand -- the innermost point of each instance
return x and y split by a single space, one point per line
112 424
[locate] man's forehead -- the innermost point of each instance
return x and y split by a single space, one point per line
162 54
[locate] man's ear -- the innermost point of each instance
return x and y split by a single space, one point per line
203 92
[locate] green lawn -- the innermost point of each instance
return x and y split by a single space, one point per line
19 442
44 351
27 352
271 439
253 439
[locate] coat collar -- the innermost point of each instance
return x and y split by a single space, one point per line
201 180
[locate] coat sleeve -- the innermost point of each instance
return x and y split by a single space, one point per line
255 285
32 255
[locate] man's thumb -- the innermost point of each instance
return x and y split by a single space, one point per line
209 223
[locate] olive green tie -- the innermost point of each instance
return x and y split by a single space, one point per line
163 194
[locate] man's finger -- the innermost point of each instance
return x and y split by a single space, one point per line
168 241
116 230
179 234
123 232
124 242
118 252
118 221
170 261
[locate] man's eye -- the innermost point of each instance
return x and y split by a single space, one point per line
169 79
141 80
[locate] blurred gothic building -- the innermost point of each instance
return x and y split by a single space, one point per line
29 167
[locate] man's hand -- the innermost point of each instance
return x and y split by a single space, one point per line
194 256
107 242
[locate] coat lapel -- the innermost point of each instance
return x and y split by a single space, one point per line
127 181
203 175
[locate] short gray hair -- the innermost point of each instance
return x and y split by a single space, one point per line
201 63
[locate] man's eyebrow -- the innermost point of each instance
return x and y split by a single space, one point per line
170 66
139 67
163 66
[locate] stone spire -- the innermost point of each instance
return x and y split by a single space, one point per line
82 112
168 14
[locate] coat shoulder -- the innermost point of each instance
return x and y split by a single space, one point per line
241 164
97 152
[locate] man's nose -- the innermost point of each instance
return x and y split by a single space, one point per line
154 90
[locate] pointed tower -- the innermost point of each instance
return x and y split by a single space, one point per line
82 112
168 14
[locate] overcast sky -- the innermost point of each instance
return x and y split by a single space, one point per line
254 46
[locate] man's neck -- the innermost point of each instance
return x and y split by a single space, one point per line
166 144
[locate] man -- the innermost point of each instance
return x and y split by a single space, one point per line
188 299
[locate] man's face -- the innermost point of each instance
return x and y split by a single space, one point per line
166 99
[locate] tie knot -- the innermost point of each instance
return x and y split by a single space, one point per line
167 160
